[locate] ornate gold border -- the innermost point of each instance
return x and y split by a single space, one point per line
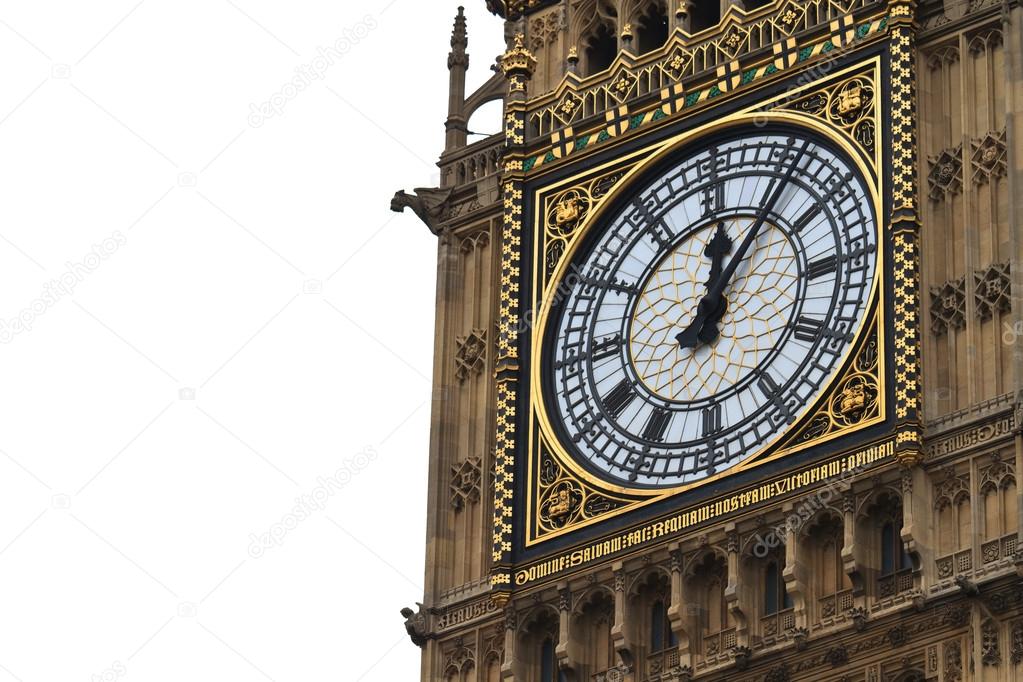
540 427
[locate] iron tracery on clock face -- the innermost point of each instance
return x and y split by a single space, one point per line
637 404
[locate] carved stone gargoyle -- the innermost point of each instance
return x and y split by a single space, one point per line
415 624
429 203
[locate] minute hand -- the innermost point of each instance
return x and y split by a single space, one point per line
703 328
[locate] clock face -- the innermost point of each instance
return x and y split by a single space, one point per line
707 314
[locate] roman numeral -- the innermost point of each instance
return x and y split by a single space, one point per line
713 198
807 218
656 425
712 420
824 266
619 398
768 386
807 328
606 348
639 463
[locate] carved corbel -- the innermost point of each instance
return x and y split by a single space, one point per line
430 204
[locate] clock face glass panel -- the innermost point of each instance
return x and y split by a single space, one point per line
711 309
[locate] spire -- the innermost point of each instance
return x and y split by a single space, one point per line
459 41
458 64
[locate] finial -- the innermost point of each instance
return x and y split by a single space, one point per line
681 12
627 33
573 59
518 60
459 41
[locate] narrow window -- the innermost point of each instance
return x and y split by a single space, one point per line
661 635
547 661
601 50
653 30
704 15
771 589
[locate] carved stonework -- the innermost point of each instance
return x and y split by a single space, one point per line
988 159
948 306
897 636
459 659
996 475
951 489
837 656
471 354
945 174
953 661
465 483
430 204
1016 637
990 651
943 55
992 290
544 30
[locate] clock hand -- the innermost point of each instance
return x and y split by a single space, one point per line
712 307
717 248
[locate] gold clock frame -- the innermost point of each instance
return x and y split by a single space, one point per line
621 499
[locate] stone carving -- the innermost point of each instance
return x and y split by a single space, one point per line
953 661
471 354
990 651
948 306
465 483
992 290
945 174
837 656
415 624
1016 636
428 203
988 158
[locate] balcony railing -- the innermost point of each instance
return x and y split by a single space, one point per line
479 160
835 604
895 583
778 623
954 564
719 643
615 674
1002 548
661 661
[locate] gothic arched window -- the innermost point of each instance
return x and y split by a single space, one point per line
653 29
703 15
601 49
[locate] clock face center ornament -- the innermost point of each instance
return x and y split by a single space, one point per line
758 307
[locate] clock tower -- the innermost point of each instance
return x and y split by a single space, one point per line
729 370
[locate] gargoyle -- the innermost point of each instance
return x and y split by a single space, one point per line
415 624
429 203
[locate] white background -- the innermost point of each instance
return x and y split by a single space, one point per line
256 321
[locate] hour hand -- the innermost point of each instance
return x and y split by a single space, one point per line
704 327
719 246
